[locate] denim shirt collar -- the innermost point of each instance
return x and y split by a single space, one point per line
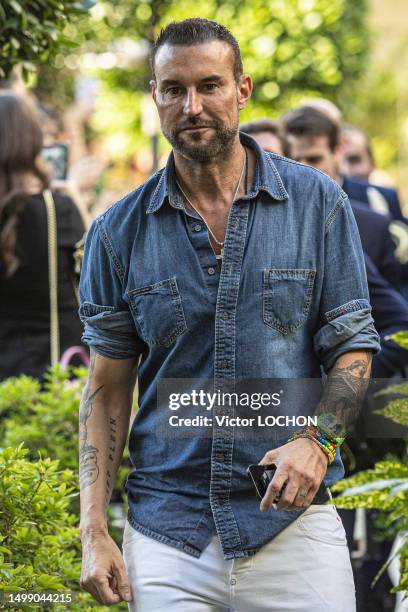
267 179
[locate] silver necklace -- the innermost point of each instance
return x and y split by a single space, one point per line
221 244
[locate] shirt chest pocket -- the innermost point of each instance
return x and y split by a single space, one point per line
286 297
159 312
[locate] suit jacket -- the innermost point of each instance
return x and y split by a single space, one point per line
360 190
377 242
390 314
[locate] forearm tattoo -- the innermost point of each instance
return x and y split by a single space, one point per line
88 454
111 458
344 392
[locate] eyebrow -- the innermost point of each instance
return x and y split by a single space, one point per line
173 82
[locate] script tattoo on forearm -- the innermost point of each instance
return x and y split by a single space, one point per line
88 458
111 458
344 392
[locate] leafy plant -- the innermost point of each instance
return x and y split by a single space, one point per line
45 419
39 543
31 31
386 486
39 497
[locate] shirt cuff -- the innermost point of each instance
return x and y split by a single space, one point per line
109 331
349 327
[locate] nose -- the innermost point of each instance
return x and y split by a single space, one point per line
192 103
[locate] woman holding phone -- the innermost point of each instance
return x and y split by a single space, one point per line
25 304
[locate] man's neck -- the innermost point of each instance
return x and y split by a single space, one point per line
213 182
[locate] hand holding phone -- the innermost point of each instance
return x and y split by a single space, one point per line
261 476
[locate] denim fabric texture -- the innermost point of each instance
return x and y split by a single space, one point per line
290 298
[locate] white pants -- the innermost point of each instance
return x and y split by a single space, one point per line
306 568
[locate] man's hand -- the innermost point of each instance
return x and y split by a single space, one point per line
103 570
301 465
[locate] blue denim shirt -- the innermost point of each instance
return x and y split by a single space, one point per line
291 296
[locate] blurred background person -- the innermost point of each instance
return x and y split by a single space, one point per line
268 134
24 281
357 154
357 167
314 140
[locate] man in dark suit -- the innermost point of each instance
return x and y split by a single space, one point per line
383 200
356 165
313 139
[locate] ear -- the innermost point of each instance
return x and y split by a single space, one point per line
244 90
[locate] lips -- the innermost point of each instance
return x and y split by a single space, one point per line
194 128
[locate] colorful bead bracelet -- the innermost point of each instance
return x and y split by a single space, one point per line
329 448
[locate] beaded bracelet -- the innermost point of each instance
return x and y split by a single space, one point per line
327 447
330 456
328 444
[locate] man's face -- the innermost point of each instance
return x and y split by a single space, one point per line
356 160
269 142
314 151
198 98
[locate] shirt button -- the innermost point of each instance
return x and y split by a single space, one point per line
197 227
225 315
233 581
211 271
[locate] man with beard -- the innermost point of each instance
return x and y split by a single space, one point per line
229 264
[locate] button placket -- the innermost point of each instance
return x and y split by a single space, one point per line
224 376
201 244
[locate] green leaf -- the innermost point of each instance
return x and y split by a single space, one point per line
15 6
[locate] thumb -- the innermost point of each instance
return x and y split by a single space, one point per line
122 582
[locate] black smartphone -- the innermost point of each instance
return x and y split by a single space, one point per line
261 476
56 158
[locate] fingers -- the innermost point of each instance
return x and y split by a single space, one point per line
103 573
122 582
274 489
269 457
105 593
98 586
304 497
288 496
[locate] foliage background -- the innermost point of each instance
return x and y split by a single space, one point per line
292 48
353 52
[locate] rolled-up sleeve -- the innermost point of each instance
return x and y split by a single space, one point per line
108 324
345 321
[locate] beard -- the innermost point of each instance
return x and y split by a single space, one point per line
197 148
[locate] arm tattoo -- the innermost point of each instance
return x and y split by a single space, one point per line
344 392
111 458
88 460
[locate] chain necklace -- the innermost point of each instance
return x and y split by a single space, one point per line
221 244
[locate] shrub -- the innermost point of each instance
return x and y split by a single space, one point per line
386 486
45 418
31 31
39 543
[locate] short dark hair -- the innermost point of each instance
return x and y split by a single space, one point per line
349 129
308 121
196 31
261 125
266 125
